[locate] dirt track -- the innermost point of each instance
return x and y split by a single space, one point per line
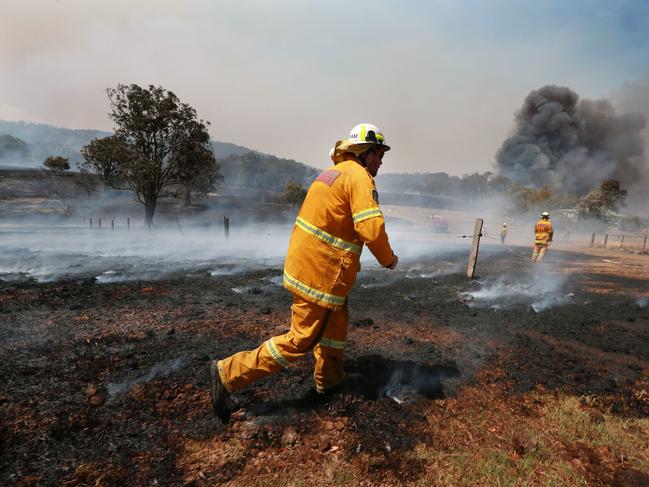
106 384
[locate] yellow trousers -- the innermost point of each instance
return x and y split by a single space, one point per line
312 328
539 252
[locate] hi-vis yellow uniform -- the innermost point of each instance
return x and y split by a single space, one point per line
339 215
542 237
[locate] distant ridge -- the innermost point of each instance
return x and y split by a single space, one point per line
39 141
25 145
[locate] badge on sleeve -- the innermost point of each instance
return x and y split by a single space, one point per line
328 177
375 196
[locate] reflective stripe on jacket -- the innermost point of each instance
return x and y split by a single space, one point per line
339 215
543 232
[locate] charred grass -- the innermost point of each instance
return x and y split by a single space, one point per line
106 385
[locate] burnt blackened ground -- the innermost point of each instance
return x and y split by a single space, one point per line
106 383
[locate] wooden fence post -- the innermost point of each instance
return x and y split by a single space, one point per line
592 240
128 223
473 258
91 223
644 244
622 241
605 240
226 227
99 221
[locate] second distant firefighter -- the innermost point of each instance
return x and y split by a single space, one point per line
504 230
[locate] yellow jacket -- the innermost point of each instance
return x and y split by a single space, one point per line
543 232
340 213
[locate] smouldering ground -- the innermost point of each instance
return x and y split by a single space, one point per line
105 384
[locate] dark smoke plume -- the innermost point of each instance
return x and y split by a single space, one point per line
572 145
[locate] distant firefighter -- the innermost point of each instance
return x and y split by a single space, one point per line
543 236
504 230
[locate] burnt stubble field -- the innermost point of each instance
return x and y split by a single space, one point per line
496 380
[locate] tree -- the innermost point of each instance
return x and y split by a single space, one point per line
112 158
88 181
501 184
533 200
475 186
198 169
153 128
294 194
609 197
56 163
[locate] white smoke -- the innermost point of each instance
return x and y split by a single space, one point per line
58 250
539 291
48 254
161 369
265 285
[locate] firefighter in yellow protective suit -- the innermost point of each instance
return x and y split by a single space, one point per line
542 237
339 215
504 230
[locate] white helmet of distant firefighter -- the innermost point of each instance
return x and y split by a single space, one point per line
545 215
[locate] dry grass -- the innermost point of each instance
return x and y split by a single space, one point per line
563 442
478 439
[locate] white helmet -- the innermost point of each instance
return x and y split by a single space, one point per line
504 224
545 214
366 134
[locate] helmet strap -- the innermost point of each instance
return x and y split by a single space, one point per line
363 155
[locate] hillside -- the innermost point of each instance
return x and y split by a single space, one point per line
24 144
264 172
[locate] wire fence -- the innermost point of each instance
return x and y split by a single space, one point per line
624 240
458 231
520 234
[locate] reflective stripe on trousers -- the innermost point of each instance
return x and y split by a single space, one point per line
539 252
312 328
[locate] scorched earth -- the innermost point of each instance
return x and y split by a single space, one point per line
526 375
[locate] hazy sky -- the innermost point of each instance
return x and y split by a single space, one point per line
441 78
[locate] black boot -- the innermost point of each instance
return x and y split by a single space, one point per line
220 396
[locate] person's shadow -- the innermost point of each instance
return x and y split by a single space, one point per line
373 377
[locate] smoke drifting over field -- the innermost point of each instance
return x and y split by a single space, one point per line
72 252
161 369
538 291
572 145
